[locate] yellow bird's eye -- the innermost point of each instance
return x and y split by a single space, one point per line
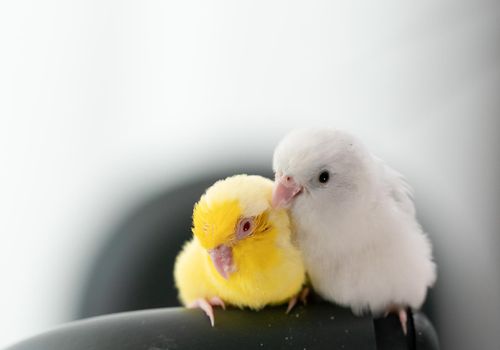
245 227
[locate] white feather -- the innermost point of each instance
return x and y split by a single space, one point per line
361 242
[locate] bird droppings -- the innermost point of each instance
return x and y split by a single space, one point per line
347 331
297 315
261 344
286 338
332 318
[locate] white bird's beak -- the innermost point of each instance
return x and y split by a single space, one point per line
285 189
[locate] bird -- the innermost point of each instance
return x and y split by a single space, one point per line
241 251
354 220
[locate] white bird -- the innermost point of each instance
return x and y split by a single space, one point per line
354 220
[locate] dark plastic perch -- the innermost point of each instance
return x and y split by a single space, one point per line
317 326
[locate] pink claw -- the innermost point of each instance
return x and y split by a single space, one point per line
302 296
291 303
402 315
403 318
206 306
216 301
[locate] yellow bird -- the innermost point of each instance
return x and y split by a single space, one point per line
241 251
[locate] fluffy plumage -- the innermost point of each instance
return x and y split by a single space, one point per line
241 250
362 245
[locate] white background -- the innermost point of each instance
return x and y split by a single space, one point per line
102 102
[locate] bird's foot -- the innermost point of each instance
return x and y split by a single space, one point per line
302 296
206 305
402 315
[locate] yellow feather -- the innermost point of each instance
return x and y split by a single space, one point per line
269 268
214 224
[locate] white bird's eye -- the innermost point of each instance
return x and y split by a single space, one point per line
324 176
245 228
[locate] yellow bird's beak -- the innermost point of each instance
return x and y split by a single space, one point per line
222 258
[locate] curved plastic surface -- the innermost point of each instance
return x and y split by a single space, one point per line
317 326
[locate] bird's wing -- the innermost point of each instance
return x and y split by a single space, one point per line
191 275
397 188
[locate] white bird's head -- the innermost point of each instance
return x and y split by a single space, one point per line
318 167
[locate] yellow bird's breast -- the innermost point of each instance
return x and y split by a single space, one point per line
267 272
269 268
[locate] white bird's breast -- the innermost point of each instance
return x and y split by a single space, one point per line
365 265
324 252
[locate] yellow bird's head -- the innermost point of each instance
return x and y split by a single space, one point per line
232 212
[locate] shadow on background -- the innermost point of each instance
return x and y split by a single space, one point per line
134 270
